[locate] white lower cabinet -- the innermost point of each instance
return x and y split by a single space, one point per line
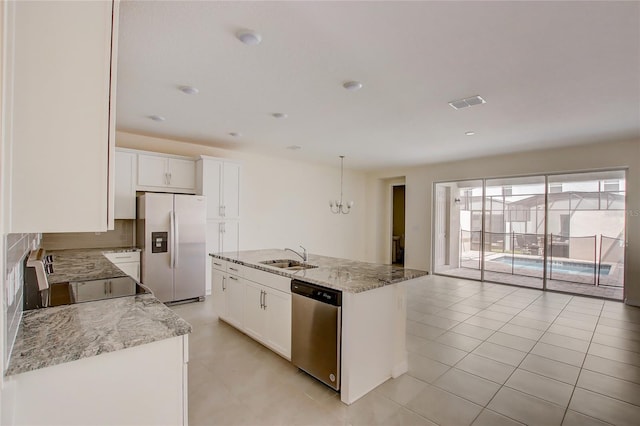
267 317
140 385
220 237
85 292
228 292
128 262
254 320
218 289
235 291
131 268
256 308
102 289
278 319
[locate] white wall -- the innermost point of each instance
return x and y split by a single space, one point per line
284 203
4 162
419 184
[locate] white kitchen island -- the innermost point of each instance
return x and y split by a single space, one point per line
373 346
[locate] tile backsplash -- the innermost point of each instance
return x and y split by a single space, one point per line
121 236
17 247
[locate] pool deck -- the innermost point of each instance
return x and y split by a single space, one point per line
583 284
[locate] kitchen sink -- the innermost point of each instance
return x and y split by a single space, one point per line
288 264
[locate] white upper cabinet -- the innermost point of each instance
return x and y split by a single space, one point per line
159 171
182 173
209 179
231 190
58 100
125 185
152 170
219 180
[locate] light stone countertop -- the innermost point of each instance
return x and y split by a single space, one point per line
56 335
84 265
52 336
342 274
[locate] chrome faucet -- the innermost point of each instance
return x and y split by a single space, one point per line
303 255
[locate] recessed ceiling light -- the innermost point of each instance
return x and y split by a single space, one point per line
352 85
235 134
279 115
467 102
157 117
294 147
469 133
189 90
248 37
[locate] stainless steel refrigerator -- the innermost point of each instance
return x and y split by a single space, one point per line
171 231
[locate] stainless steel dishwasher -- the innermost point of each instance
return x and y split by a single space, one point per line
316 315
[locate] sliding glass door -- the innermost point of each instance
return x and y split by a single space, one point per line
586 232
514 238
561 232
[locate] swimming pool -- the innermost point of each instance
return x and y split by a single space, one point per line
567 267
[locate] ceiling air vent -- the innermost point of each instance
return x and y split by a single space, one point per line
467 102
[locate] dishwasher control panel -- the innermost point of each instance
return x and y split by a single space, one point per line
316 292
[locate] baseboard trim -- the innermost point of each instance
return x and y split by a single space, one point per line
399 369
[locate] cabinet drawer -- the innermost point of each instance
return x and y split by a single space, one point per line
235 269
275 281
220 265
122 257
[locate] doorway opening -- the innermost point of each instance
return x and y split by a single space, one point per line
397 231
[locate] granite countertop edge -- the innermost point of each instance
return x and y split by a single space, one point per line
61 334
369 277
56 335
85 264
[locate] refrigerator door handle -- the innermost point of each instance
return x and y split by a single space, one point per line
173 240
176 244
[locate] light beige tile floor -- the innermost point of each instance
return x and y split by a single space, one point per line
479 353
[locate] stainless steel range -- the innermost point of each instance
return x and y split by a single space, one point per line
39 293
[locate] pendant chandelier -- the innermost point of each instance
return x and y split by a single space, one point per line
338 207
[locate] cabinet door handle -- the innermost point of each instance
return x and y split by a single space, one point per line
223 286
224 210
264 304
217 264
234 269
261 294
169 178
233 278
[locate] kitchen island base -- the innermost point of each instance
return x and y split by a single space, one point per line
373 339
373 318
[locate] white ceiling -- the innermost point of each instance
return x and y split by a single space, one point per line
552 73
